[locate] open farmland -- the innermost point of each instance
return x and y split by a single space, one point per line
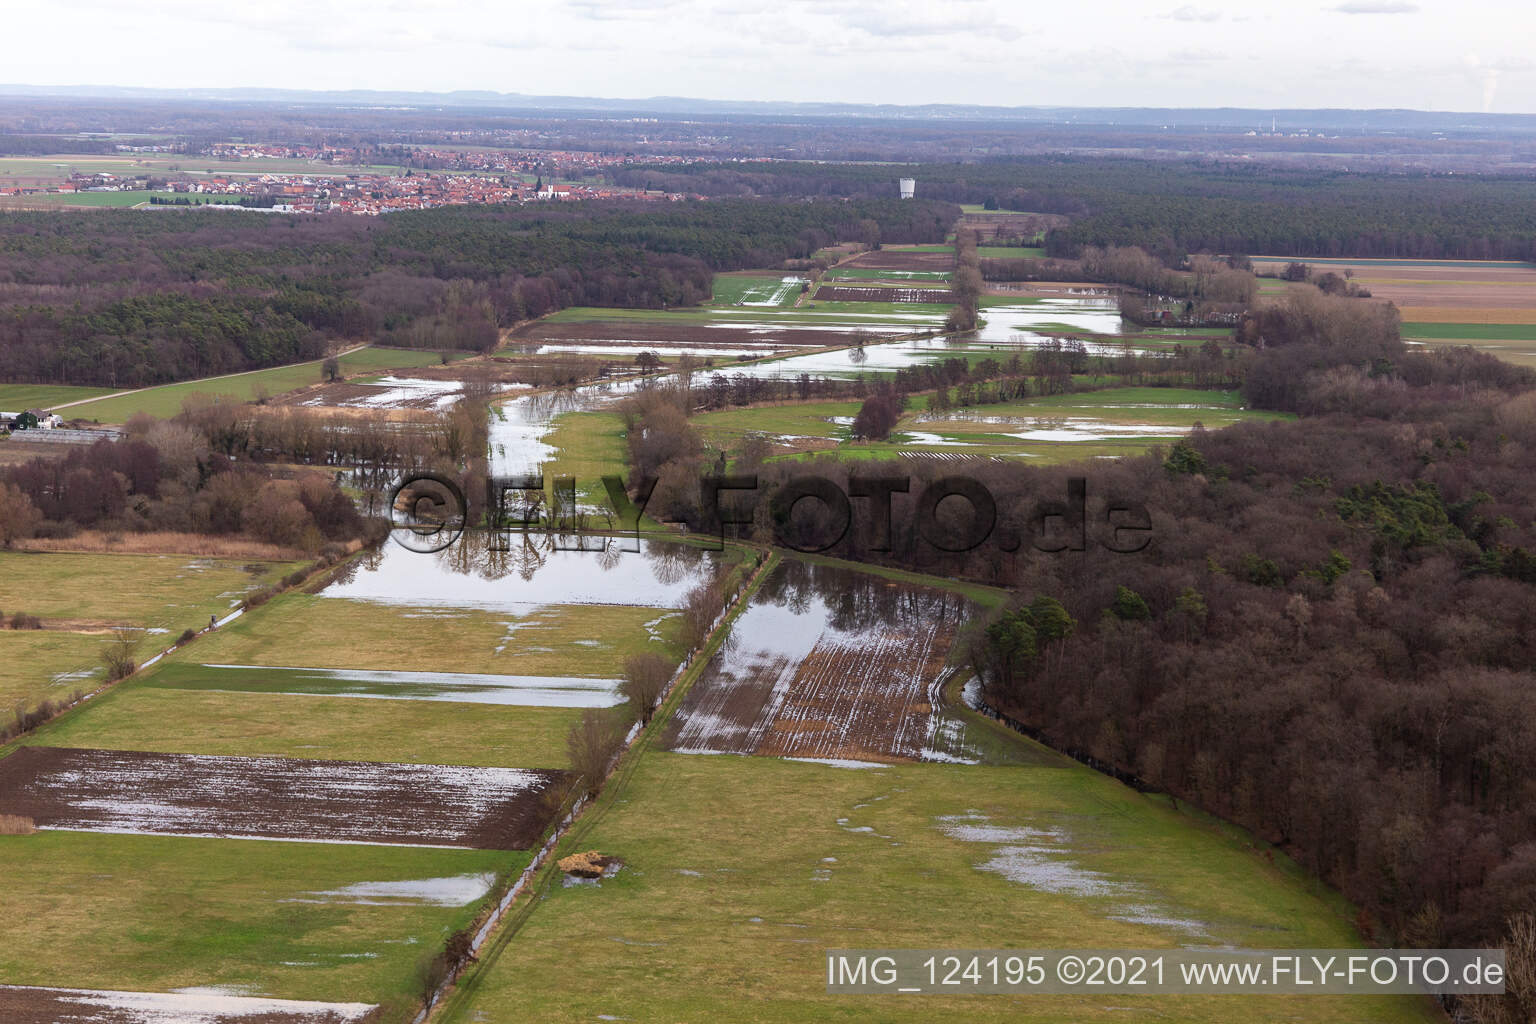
166 400
1488 304
726 332
628 338
48 664
915 259
470 662
16 397
100 200
850 293
277 798
1058 428
826 663
187 718
748 289
305 921
163 592
80 598
1044 429
741 871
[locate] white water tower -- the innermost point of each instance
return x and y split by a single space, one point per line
908 188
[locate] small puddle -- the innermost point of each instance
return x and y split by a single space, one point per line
457 891
1042 859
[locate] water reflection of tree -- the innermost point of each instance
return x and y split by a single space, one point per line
856 601
493 555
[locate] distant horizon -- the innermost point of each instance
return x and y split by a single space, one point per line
675 103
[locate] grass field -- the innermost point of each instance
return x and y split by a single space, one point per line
588 446
1471 331
756 289
86 594
58 167
16 397
726 428
166 400
875 274
113 199
161 913
1010 252
47 664
980 208
823 314
166 592
1056 428
322 632
153 713
739 872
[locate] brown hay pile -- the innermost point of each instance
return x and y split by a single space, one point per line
16 825
585 865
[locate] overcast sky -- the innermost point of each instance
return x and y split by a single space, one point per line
1429 54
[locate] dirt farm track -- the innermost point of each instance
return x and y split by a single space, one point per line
278 798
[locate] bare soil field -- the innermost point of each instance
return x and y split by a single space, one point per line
849 293
990 224
1493 292
77 1006
883 260
826 664
278 798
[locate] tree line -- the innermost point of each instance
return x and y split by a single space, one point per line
1173 208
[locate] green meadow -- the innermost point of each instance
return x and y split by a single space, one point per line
755 288
16 397
160 913
1470 332
308 631
165 592
179 708
740 872
1010 252
166 400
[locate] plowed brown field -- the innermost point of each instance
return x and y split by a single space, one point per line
278 798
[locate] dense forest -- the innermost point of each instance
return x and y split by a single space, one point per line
128 298
1172 209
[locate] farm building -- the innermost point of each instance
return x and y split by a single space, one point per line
31 419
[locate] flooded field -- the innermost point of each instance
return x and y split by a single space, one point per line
473 574
21 1005
277 798
826 663
461 687
392 393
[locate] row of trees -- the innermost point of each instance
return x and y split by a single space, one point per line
169 479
